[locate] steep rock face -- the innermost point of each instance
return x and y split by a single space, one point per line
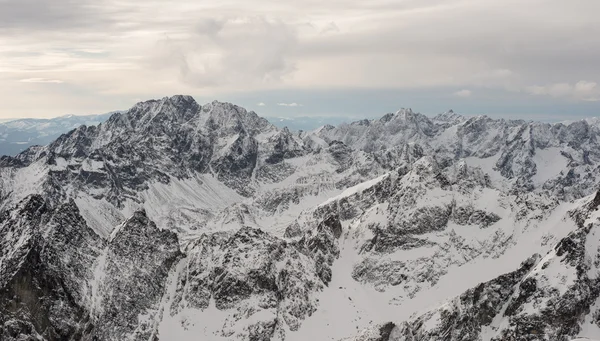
172 157
259 284
46 259
160 150
283 145
170 137
419 209
132 274
322 245
155 142
236 164
357 199
61 281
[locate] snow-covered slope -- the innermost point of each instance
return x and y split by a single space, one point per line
180 221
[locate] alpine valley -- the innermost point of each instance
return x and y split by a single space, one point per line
176 221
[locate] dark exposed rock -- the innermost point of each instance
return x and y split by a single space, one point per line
154 141
321 244
534 305
293 230
352 206
254 265
341 153
463 317
383 332
50 287
467 215
390 239
596 201
46 258
284 147
333 223
136 264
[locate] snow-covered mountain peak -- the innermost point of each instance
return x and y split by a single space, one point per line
449 117
430 223
168 110
408 116
233 118
405 113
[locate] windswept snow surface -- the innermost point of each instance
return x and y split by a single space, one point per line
550 163
179 205
347 306
355 189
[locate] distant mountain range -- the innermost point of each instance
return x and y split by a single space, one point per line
18 135
307 122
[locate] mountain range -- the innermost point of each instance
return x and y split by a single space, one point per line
16 135
19 134
179 221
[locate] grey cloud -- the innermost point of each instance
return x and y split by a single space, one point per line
209 26
463 93
330 28
561 36
31 15
233 51
582 90
554 34
541 50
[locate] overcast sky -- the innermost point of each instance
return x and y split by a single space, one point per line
537 59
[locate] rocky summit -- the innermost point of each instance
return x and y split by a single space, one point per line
180 221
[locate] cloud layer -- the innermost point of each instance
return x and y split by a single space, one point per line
108 52
463 93
582 90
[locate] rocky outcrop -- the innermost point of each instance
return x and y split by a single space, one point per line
464 317
252 275
132 274
546 298
46 260
61 281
